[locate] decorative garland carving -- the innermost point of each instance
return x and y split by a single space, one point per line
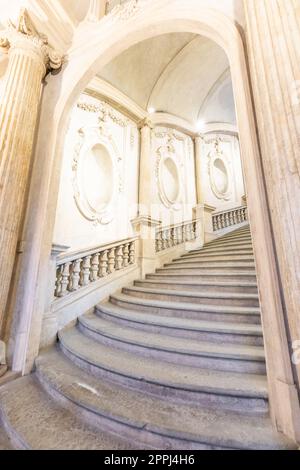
105 111
127 10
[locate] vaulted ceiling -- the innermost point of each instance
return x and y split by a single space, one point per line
182 74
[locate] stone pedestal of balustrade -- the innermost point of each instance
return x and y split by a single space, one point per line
50 322
203 212
145 228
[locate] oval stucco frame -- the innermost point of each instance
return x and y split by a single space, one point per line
92 48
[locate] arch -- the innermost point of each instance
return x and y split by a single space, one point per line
92 48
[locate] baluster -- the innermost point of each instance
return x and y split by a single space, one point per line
95 267
239 216
158 242
227 219
246 213
234 217
119 257
164 241
126 255
132 253
188 232
215 224
57 290
111 260
167 238
174 236
185 233
231 218
75 274
103 264
195 230
85 271
65 279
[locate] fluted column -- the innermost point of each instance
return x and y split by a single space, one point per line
273 38
30 58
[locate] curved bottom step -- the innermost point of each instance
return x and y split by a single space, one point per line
150 421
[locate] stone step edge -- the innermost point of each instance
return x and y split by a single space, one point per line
200 295
198 284
184 352
159 320
185 306
141 426
172 385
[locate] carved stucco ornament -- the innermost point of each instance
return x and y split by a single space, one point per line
127 10
24 34
165 154
88 139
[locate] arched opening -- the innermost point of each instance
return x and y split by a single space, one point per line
100 48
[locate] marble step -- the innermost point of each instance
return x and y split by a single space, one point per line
232 248
227 390
212 259
232 235
214 253
33 420
243 239
183 351
188 310
204 276
208 298
199 286
216 331
152 421
205 269
226 265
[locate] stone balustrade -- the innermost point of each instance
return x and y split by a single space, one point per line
229 218
174 235
79 269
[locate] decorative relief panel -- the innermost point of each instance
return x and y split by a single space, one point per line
168 170
97 174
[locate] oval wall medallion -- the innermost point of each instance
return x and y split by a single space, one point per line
96 175
219 176
169 185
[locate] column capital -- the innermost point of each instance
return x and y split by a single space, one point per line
24 35
145 123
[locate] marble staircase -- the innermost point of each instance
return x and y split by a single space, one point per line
175 361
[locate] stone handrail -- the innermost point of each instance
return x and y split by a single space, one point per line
79 269
174 235
229 218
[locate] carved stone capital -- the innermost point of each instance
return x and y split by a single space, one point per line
145 123
23 35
